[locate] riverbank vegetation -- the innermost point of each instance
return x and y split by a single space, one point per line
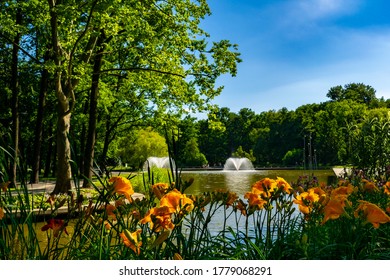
274 219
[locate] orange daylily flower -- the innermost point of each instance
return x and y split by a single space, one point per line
306 200
56 225
241 206
343 182
334 208
1 213
372 213
343 190
175 201
122 186
159 218
321 194
255 200
369 186
160 189
282 184
231 198
386 188
110 211
132 240
264 186
107 225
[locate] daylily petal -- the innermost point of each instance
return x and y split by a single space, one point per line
334 208
176 201
372 213
282 183
159 218
122 186
255 200
132 240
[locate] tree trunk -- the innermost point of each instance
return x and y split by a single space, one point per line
109 135
15 99
83 140
65 83
65 96
63 172
39 127
106 140
93 100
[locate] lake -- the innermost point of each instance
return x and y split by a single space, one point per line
236 181
240 181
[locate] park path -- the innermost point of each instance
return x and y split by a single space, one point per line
48 187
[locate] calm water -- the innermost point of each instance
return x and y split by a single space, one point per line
241 181
235 181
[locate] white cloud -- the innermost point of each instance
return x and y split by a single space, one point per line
318 9
298 18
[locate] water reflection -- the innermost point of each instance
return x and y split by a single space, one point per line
241 181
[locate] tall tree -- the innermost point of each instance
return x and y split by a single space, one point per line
15 93
168 56
93 107
64 89
38 137
358 92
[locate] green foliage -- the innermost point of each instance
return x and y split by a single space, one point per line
292 157
278 132
137 147
192 156
357 92
240 153
156 61
369 144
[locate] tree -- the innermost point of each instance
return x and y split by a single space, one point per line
167 55
278 132
329 136
12 31
139 145
212 139
89 151
239 127
240 153
358 92
292 157
192 155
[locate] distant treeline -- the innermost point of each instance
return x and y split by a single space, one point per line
351 128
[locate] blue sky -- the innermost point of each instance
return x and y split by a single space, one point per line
294 51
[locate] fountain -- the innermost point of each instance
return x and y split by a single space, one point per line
238 164
159 162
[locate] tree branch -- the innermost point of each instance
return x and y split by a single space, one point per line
20 48
136 69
